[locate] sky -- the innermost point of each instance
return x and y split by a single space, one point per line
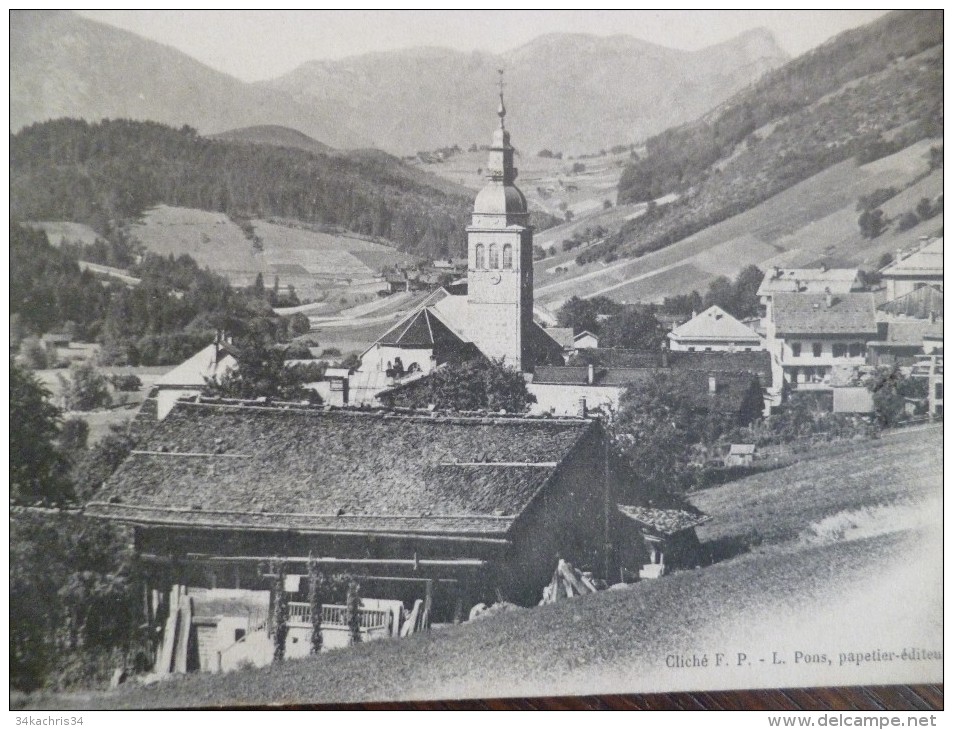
257 45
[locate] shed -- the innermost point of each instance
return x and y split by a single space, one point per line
740 455
654 540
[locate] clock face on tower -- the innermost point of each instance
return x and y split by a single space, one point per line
496 278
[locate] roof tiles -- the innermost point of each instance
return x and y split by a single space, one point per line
272 467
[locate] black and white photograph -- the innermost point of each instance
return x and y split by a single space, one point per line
380 356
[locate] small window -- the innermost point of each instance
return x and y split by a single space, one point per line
239 634
507 256
817 348
839 349
494 256
856 349
480 257
938 391
796 349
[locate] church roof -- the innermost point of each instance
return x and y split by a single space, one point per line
713 324
422 330
562 335
287 466
499 199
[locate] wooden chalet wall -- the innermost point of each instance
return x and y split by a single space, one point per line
567 520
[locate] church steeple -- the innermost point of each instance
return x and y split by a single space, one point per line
500 197
500 251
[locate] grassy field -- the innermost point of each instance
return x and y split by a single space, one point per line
547 183
812 222
316 263
125 403
805 588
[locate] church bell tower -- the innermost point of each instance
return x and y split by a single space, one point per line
500 258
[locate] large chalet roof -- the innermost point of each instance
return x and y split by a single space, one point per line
293 467
926 262
809 314
714 324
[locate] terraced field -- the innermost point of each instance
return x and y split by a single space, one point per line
312 261
812 222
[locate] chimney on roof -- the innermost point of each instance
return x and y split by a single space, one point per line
828 297
797 285
712 384
899 254
590 377
583 411
824 268
777 272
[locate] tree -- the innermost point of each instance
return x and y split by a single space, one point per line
33 354
36 468
891 389
473 385
261 372
353 603
907 221
871 223
655 429
924 209
583 314
299 324
315 601
281 607
98 463
635 328
74 435
86 389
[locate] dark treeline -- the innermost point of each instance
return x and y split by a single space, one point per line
177 309
111 171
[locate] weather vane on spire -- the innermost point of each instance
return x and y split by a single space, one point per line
502 110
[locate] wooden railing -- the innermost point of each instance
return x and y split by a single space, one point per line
334 615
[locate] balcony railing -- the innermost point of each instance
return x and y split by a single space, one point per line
333 615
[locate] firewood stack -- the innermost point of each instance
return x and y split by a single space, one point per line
568 582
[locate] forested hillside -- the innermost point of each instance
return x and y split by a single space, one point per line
867 93
112 171
176 309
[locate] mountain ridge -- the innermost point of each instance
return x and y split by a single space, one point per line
65 65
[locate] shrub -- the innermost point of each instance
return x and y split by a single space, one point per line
127 383
86 389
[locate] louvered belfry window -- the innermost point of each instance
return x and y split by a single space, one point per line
494 256
507 256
